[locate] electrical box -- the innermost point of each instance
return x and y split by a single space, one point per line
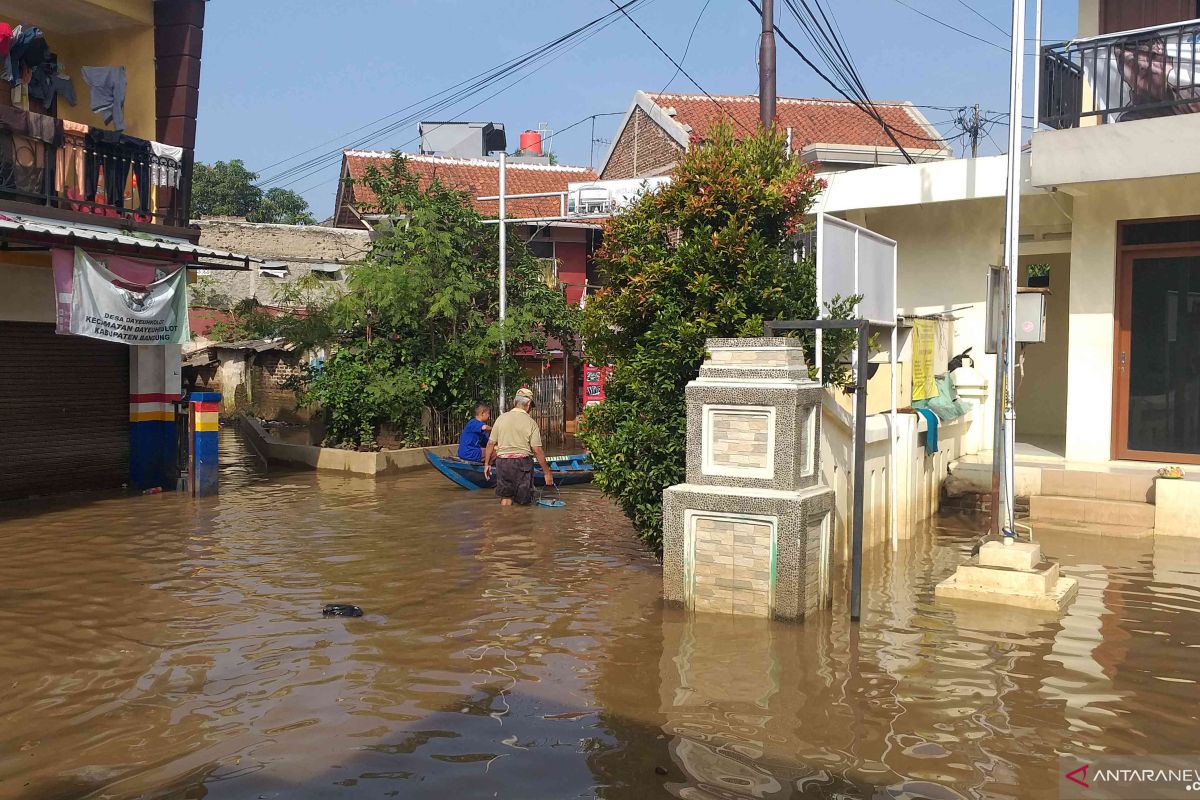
1031 316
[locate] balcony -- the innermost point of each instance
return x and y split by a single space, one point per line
1131 75
88 174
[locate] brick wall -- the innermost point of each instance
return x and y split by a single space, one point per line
643 148
740 440
270 397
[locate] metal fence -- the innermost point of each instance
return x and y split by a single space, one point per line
1116 77
444 427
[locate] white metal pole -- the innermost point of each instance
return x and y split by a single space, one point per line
1037 64
1012 231
503 274
894 430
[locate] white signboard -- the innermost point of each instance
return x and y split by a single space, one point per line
852 260
107 306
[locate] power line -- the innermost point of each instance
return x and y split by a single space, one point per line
687 46
951 27
837 88
979 14
454 94
679 66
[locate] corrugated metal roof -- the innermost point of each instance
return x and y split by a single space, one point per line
77 233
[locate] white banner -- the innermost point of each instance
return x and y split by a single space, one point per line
107 306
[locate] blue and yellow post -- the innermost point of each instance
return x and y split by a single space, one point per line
203 425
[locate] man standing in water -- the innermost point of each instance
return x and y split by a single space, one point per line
514 443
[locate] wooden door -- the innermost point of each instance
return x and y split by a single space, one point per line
1129 15
1156 399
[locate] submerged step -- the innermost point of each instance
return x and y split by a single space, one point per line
1091 510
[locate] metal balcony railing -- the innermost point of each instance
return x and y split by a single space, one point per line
99 173
1130 75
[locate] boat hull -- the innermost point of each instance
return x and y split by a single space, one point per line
568 471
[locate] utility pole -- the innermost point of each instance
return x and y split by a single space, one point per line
975 133
1003 451
503 272
766 66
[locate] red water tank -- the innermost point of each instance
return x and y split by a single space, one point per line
531 143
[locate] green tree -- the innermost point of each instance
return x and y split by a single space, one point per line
228 189
709 255
284 207
419 325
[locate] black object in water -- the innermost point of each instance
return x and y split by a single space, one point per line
341 610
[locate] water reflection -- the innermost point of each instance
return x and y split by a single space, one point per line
168 647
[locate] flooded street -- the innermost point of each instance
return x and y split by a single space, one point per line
164 647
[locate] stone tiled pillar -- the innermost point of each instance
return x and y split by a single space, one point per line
749 532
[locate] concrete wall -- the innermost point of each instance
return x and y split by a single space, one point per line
1042 396
918 475
131 45
298 246
28 294
1093 297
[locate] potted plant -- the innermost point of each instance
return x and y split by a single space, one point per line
1039 276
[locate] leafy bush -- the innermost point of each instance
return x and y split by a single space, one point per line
709 255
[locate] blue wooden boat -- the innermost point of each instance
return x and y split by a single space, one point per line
568 470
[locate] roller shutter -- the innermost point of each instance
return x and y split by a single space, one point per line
64 412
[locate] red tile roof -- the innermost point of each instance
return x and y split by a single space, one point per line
479 177
812 121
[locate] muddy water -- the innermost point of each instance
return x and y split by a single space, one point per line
164 647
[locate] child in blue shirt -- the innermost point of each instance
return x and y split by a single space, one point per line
474 436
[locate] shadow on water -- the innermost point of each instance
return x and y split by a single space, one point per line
165 647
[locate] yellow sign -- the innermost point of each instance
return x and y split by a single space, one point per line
924 335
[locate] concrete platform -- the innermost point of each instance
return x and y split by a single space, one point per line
1177 508
1063 593
1014 574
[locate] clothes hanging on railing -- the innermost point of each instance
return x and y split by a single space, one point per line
108 93
70 163
117 165
166 167
29 153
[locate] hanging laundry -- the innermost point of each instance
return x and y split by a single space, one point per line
108 93
70 165
6 40
25 41
166 166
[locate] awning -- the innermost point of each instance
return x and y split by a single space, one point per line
44 233
327 268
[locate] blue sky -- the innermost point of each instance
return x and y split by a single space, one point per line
283 76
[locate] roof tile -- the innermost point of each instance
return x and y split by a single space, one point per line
479 177
812 121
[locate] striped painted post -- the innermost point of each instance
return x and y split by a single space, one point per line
203 426
152 440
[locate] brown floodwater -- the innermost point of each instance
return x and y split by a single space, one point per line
164 647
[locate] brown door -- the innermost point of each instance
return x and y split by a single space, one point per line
1157 358
64 412
1128 15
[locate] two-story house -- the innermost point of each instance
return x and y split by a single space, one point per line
1110 218
98 102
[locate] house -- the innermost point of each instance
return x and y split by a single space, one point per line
1111 212
112 187
834 135
563 244
537 205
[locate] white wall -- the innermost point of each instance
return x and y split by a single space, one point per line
1042 396
1093 297
28 294
919 476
